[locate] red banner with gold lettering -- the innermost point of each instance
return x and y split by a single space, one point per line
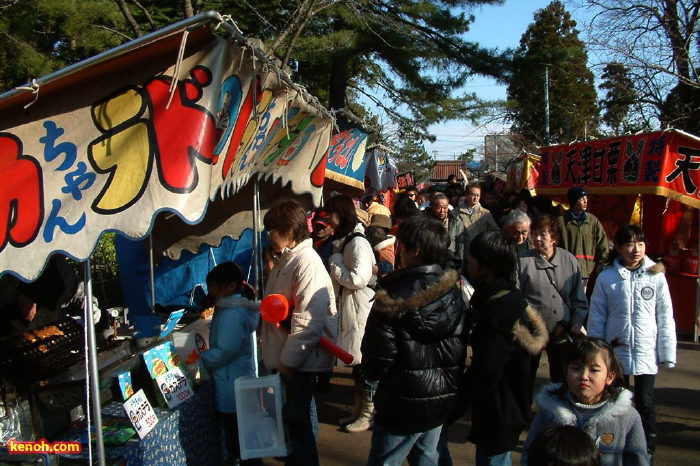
666 163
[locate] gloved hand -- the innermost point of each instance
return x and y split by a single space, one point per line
668 365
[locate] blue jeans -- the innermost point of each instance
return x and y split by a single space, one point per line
485 458
390 448
443 450
302 435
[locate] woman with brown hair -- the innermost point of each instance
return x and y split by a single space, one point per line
301 277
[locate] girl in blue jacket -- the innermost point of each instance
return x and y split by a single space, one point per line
231 341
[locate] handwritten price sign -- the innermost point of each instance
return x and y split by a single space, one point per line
140 413
174 387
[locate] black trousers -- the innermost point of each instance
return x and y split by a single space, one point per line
644 402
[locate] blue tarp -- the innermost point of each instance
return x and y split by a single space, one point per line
175 280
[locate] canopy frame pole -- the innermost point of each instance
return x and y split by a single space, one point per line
697 292
152 274
92 365
256 239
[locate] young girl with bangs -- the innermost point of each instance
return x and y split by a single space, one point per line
631 303
593 399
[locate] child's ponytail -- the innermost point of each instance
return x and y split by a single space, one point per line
227 273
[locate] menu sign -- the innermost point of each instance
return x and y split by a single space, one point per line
140 413
174 386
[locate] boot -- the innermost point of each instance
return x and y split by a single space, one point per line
357 409
364 422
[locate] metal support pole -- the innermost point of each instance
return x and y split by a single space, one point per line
697 294
257 254
152 274
92 367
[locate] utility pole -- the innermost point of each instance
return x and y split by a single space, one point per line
546 104
496 157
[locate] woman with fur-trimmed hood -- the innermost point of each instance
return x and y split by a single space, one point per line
507 333
415 345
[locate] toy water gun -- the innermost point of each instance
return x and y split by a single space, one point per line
275 308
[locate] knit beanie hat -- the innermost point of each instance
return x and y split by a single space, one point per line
575 193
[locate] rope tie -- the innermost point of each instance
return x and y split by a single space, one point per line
178 64
285 113
255 88
34 89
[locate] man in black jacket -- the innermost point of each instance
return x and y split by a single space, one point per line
415 345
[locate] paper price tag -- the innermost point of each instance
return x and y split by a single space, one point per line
174 386
140 413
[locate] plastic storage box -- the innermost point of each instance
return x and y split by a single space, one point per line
259 403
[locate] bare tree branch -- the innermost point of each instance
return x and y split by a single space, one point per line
124 8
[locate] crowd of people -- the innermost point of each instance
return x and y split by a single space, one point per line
388 287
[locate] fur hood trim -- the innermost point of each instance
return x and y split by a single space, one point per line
649 266
389 241
399 307
533 337
548 400
659 267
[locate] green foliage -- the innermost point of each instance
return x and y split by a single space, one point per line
41 36
551 42
619 96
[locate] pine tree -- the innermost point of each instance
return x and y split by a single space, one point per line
551 45
619 96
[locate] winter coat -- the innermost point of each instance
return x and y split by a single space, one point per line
635 307
479 221
351 271
616 428
415 345
301 277
455 230
385 249
508 332
534 274
231 347
587 241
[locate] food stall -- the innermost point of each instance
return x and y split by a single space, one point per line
163 131
651 179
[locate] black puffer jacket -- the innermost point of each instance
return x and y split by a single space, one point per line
508 333
415 345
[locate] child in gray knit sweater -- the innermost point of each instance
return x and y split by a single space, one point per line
593 399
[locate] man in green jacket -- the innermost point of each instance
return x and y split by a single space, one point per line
583 234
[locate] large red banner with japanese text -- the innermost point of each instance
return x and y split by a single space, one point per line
666 163
118 144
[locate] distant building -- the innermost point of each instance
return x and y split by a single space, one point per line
444 168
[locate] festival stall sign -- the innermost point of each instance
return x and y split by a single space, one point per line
665 163
346 161
405 180
380 174
522 172
109 143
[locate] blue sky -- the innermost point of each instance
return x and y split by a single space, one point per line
494 26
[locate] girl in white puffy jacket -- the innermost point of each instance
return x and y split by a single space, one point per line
631 302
